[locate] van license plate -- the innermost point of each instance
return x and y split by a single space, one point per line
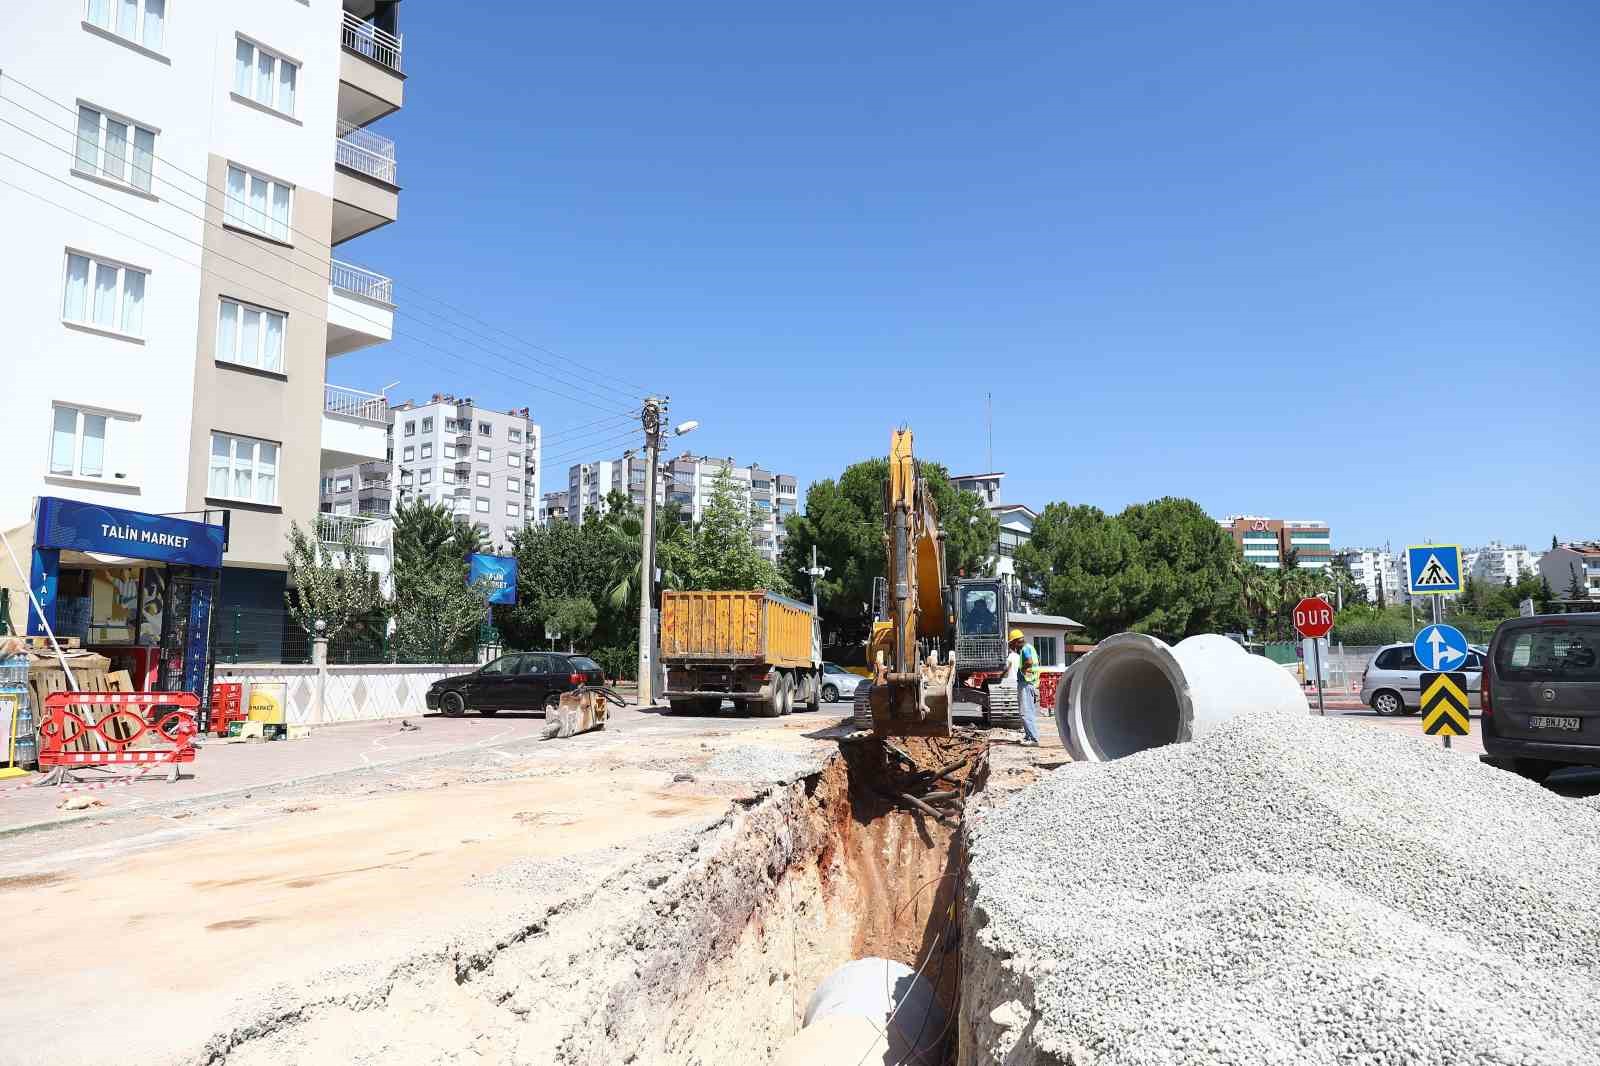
1545 721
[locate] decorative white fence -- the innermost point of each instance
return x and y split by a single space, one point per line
344 693
370 153
354 403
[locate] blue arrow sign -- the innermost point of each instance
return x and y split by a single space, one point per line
1433 568
1441 647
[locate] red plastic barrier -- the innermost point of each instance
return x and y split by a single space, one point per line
227 705
1047 691
164 733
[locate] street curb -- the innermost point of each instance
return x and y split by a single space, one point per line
155 806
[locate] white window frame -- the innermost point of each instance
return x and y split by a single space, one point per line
427 450
96 168
514 436
238 444
513 459
449 451
408 453
485 455
425 476
513 510
236 357
98 263
427 425
513 484
112 9
485 429
483 480
343 484
80 413
239 214
480 504
249 92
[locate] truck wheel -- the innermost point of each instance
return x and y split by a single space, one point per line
708 704
772 706
813 691
786 693
682 706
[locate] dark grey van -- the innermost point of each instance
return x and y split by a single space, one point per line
1541 694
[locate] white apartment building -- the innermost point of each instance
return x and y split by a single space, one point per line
481 462
687 481
1501 564
1562 563
170 302
1374 570
1016 527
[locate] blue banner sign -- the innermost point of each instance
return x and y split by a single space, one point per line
88 527
499 571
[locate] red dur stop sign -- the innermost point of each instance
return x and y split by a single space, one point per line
1313 617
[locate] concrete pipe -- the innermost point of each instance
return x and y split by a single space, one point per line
862 997
1135 692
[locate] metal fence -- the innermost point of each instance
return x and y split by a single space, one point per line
353 403
370 153
262 635
359 281
363 38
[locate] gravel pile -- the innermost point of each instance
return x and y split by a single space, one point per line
1286 891
754 763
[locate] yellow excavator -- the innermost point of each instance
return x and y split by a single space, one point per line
910 689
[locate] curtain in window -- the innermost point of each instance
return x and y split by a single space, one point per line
272 353
280 212
228 331
258 203
63 440
105 296
286 76
263 93
250 337
144 158
234 209
217 484
154 17
92 462
88 152
76 306
244 58
243 468
133 303
128 19
267 473
116 161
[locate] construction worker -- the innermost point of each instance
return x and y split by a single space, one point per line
1027 672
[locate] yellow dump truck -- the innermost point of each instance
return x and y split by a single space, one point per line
755 648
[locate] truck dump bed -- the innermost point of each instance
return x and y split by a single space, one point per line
748 627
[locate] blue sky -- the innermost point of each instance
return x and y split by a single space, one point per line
1338 264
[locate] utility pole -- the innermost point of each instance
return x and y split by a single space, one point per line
815 571
650 416
988 401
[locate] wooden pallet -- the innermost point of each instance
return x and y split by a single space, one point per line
43 643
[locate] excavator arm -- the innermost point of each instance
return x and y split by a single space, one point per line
910 693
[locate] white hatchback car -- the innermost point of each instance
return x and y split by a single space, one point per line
1392 681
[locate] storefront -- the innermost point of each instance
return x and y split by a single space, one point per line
137 588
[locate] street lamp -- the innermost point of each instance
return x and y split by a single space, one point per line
651 416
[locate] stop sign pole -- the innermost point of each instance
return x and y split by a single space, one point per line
1313 618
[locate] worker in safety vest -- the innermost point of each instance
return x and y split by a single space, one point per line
1027 686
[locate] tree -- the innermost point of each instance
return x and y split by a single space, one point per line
721 554
328 590
436 612
1545 596
1554 543
572 617
1576 589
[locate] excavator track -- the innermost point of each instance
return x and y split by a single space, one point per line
1004 711
863 706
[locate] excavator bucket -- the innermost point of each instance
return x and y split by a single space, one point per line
914 705
579 711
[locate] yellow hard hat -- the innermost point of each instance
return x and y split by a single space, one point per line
1015 634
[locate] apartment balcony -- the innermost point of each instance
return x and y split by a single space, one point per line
360 308
371 84
366 193
355 426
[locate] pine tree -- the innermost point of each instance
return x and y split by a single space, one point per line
1576 590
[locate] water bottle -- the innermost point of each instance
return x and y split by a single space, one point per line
27 742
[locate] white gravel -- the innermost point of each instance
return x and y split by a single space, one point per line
1293 890
750 762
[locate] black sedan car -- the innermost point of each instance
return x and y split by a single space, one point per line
518 680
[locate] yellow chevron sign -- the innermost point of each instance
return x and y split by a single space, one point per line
1444 705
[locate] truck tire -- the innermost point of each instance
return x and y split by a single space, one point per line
1004 711
863 706
772 706
708 705
786 693
813 690
682 706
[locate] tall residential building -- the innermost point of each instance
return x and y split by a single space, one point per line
1268 542
1374 570
171 304
1501 564
1016 527
588 485
483 463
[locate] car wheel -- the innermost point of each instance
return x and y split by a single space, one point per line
551 703
830 693
452 704
1388 702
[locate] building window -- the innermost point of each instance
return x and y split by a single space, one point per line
425 476
408 454
263 76
427 451
482 527
513 484
483 481
1046 647
484 455
449 451
513 510
251 336
114 148
427 425
257 203
108 296
514 436
243 468
513 459
140 21
481 504
485 429
78 443
341 485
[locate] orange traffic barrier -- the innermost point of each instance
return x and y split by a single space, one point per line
118 728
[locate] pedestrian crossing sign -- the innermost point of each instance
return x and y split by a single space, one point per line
1444 705
1433 569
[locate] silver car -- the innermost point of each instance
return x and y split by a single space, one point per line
838 683
1392 682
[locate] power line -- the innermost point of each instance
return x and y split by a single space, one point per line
566 387
409 287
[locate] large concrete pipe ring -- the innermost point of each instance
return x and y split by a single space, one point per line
872 996
1134 692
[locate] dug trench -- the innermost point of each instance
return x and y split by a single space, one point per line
704 955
